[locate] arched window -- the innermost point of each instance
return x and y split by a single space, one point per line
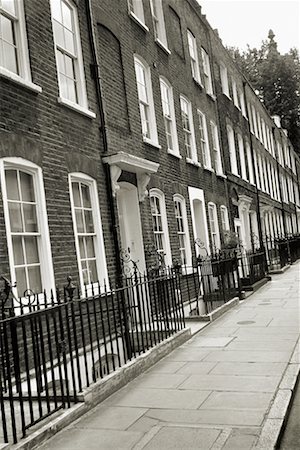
182 230
26 226
88 232
160 226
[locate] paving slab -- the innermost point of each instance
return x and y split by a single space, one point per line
113 417
247 368
167 366
183 438
215 417
237 400
160 398
159 380
249 356
234 383
78 439
211 341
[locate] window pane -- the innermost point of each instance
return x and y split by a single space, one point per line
61 62
56 9
59 34
10 57
79 221
63 86
93 271
69 67
6 30
12 185
30 219
66 16
27 191
21 280
84 272
85 190
34 279
71 88
90 247
9 5
89 224
15 217
82 248
18 250
31 248
76 194
69 42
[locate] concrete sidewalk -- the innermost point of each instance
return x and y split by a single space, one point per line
214 392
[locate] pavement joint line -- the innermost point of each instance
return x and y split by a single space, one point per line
221 439
273 427
147 437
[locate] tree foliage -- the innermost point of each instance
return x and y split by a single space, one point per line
276 79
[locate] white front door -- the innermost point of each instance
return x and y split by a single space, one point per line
130 226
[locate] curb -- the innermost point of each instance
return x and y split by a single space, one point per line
101 390
275 420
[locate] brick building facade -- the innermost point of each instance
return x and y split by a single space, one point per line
127 129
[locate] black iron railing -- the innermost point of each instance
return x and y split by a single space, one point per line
52 347
211 282
281 251
252 267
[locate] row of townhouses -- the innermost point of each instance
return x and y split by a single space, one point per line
126 128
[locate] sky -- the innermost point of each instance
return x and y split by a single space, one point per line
242 22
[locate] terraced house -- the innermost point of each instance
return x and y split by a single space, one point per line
130 143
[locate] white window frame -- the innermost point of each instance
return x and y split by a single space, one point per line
44 247
185 232
136 11
264 162
81 105
259 128
280 153
242 102
250 118
250 163
216 148
204 141
193 52
224 218
23 77
149 104
158 22
207 72
214 235
242 157
193 158
171 119
254 117
224 80
256 168
99 248
235 94
232 150
164 222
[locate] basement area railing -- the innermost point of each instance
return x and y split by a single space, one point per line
53 347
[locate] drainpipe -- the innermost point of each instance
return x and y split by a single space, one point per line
101 105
